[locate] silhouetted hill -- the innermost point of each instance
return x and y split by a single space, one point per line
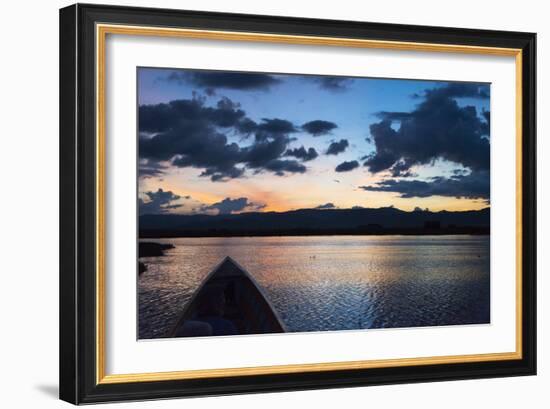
314 221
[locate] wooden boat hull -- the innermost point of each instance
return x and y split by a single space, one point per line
246 307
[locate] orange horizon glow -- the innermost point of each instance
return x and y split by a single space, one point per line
290 193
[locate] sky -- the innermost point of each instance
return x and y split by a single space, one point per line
220 142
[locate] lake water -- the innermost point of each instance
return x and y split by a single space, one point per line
331 282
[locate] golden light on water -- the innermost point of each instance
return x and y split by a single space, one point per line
331 282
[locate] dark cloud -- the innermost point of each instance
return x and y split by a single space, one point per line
200 146
437 129
337 147
279 167
459 90
265 150
227 113
218 174
487 125
187 133
274 127
347 166
271 142
159 202
189 113
401 169
326 206
150 169
228 206
246 126
211 80
333 84
319 127
460 172
472 186
302 153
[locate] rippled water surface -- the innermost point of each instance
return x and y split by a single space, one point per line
331 282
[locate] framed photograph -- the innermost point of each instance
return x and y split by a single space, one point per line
257 203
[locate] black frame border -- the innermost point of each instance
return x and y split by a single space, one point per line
78 197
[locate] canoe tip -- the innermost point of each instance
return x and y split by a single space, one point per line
229 259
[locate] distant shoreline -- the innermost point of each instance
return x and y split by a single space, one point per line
315 222
444 231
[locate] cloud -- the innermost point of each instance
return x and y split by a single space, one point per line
438 128
227 113
264 154
150 169
401 169
228 206
319 127
246 126
460 172
337 147
487 125
459 90
347 166
159 202
189 113
326 206
187 133
212 80
302 153
333 84
216 173
274 127
279 167
475 185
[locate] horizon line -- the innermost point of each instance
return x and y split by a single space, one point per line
319 209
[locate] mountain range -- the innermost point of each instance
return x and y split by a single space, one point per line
387 220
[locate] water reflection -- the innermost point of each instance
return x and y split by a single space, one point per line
331 282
